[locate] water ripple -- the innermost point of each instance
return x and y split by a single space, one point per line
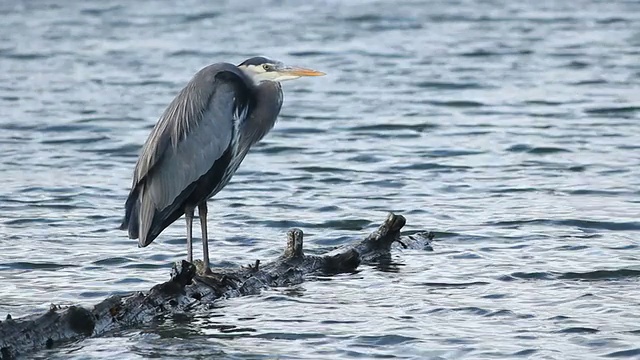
509 130
618 274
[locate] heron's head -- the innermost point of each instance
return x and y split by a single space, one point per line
262 69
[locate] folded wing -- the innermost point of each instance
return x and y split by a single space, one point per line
193 137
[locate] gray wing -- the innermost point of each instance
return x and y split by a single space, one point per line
192 134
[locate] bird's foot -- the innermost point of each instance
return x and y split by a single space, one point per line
202 268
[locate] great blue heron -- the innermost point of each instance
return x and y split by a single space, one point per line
199 142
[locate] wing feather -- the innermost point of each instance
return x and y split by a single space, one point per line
192 134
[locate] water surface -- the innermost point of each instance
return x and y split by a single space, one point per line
511 129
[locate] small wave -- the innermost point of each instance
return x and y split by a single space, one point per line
386 184
547 150
587 276
365 158
63 128
154 83
508 313
496 296
107 120
309 53
100 11
277 149
612 20
355 224
451 153
525 353
323 169
489 53
444 85
328 208
512 190
384 340
85 140
393 127
193 54
543 102
572 247
472 310
457 103
472 133
454 285
577 168
25 265
17 126
613 111
333 180
112 261
583 224
598 192
527 276
632 353
24 56
200 16
538 150
301 130
590 82
146 266
129 280
375 22
601 274
577 64
28 221
366 18
289 336
125 150
432 166
578 330
333 322
628 147
347 224
94 294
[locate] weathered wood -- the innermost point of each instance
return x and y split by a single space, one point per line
190 290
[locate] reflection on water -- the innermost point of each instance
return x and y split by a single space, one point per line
509 129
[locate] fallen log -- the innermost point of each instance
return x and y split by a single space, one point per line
191 289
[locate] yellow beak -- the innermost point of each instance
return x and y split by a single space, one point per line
299 71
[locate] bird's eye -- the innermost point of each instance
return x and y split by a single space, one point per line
266 67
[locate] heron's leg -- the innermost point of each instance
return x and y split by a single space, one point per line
202 212
188 215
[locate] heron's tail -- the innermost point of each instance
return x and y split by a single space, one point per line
131 222
146 214
144 221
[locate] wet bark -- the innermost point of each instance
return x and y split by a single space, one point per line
191 290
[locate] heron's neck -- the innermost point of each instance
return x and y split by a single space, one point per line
266 107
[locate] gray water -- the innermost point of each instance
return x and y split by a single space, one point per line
510 129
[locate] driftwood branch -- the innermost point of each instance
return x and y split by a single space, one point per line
190 290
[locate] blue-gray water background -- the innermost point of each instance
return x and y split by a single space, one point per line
512 129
